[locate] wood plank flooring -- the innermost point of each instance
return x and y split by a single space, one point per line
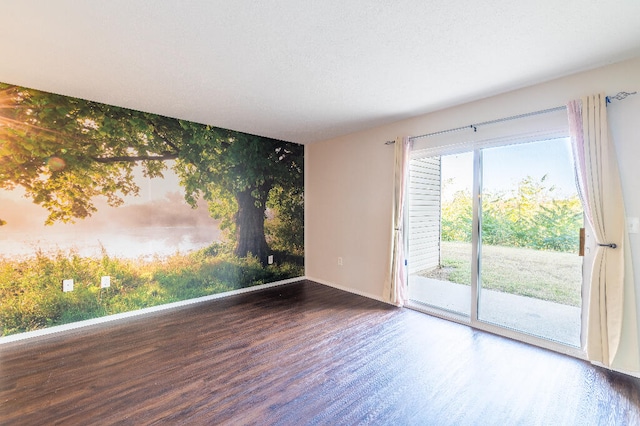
300 354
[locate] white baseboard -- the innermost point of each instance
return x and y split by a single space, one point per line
144 311
159 308
347 289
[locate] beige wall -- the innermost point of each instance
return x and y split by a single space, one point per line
349 179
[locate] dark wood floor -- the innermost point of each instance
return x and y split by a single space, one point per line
301 354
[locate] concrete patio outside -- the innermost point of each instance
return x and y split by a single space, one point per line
541 318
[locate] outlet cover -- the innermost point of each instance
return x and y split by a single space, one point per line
339 261
105 281
67 285
633 223
270 259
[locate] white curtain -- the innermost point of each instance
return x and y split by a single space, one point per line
598 180
395 289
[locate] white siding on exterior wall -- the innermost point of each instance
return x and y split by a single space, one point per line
424 214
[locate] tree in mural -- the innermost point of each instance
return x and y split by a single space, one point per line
65 152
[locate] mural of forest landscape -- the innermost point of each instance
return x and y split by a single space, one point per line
137 209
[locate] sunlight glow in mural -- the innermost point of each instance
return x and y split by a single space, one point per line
168 209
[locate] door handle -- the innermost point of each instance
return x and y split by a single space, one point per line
581 248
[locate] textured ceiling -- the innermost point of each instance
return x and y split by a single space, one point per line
305 71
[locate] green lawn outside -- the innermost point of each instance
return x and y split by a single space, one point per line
545 275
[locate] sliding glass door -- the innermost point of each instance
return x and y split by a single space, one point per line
440 243
519 207
531 216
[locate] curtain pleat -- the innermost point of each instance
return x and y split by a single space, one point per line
599 185
395 291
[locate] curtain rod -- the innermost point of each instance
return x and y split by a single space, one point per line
618 97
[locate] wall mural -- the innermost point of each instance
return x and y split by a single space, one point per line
127 209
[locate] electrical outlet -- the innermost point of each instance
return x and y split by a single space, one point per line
67 285
105 281
270 259
633 224
339 261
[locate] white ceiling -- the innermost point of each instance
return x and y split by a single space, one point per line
310 70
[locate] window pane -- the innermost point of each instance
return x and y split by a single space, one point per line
531 274
440 218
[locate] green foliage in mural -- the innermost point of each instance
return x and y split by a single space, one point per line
31 297
65 152
285 230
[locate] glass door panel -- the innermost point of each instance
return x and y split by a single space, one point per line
530 274
440 229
